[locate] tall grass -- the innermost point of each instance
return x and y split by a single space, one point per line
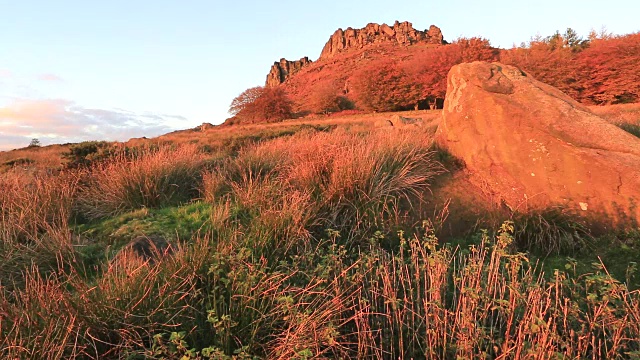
67 317
34 213
155 178
354 181
302 261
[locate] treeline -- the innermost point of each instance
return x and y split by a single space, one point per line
600 69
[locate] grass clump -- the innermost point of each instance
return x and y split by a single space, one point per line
550 231
34 230
155 178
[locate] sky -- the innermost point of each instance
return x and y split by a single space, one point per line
76 70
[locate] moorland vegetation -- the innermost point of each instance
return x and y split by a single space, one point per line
317 237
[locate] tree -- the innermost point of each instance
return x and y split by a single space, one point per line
574 41
273 105
246 98
326 98
385 86
260 104
476 49
548 60
35 143
430 67
608 70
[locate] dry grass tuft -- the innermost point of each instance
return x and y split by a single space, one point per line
155 178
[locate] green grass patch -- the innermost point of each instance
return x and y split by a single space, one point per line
620 254
178 222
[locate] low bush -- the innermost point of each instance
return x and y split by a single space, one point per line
19 162
633 129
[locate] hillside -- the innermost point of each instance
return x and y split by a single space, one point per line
411 65
502 225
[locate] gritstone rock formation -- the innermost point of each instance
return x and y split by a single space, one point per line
401 33
282 70
534 147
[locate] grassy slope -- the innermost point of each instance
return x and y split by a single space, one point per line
282 260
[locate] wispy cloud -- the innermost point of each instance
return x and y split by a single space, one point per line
49 78
61 121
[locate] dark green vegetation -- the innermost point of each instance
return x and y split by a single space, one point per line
306 243
633 129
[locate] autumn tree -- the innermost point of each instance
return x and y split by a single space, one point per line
326 97
260 104
475 49
609 71
246 98
274 105
550 60
384 86
430 67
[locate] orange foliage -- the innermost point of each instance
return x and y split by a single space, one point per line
384 86
261 104
610 70
547 63
602 71
387 84
430 68
326 97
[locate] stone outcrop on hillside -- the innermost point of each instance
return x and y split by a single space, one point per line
398 121
532 146
282 70
401 33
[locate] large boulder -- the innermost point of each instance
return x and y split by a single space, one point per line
532 146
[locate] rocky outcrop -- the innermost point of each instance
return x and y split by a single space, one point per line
282 70
534 147
401 33
398 121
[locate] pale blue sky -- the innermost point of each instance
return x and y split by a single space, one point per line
74 70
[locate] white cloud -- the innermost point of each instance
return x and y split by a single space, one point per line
49 78
62 121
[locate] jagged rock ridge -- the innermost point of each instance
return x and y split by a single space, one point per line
401 33
282 70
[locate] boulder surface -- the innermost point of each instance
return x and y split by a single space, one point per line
532 146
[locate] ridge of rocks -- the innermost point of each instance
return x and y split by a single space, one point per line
400 33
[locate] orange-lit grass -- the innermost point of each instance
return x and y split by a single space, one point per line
619 114
155 178
34 229
354 180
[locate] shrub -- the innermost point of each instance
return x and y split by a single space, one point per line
155 178
87 153
19 162
633 129
326 98
384 86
